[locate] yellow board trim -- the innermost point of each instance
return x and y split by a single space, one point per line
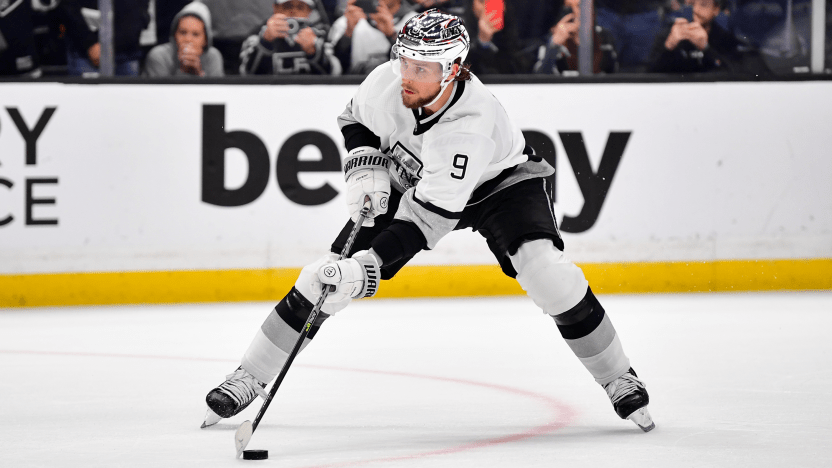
192 286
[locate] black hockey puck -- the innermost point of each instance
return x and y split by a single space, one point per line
255 454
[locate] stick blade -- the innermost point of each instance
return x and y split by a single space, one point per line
243 436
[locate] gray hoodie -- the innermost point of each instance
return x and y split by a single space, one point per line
163 60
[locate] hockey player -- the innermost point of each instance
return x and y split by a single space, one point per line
434 151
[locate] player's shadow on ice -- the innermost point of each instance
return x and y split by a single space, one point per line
592 432
222 427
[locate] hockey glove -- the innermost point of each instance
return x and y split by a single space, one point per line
366 172
354 277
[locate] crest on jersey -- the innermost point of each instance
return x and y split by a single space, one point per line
407 168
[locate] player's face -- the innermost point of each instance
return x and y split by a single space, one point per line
420 82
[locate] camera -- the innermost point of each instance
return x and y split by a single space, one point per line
295 25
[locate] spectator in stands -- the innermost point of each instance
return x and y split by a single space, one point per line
535 19
82 18
189 51
560 55
293 41
17 40
362 40
701 45
494 45
633 25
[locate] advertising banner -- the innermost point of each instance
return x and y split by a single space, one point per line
136 178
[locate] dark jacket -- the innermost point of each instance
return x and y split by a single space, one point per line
627 7
17 40
130 17
724 53
502 54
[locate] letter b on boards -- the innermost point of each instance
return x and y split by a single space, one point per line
215 140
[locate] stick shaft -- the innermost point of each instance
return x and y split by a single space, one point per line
309 322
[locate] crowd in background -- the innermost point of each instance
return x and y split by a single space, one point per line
214 38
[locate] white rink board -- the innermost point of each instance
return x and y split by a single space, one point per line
710 172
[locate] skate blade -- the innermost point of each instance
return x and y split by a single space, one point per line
211 418
642 419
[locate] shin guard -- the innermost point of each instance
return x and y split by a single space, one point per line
589 333
280 331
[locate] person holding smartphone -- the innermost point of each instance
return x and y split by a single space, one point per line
293 41
559 56
495 46
362 37
697 44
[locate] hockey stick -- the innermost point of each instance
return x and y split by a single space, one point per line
247 428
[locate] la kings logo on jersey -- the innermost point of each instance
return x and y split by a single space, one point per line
407 168
290 63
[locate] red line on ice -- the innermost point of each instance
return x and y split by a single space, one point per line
562 414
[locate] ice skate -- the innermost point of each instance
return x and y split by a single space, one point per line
629 398
211 418
232 396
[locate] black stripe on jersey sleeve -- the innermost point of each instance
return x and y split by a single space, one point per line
357 135
436 210
402 239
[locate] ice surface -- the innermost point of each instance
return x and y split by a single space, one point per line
736 380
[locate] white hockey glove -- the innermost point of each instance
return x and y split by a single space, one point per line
366 172
354 277
310 286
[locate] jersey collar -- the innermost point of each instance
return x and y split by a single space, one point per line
425 122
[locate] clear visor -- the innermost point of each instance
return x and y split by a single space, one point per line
415 70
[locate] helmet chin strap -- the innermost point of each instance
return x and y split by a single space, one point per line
441 92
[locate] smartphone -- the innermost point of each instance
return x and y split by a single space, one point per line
495 9
369 6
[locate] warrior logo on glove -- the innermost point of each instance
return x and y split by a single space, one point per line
371 280
329 272
367 173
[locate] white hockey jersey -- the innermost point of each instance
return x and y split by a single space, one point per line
440 160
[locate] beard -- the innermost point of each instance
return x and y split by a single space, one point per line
411 101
